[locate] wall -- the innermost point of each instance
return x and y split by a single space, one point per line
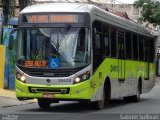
9 72
2 65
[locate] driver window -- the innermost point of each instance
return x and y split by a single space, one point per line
81 41
80 46
97 43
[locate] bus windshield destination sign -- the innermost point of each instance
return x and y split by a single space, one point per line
52 18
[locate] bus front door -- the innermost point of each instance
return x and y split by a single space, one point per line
121 56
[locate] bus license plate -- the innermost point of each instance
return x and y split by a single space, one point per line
48 95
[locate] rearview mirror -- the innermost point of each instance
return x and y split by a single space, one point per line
11 38
94 31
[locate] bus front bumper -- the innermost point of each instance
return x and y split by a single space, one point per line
80 91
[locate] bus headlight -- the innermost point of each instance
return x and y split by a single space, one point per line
20 77
77 79
23 78
82 78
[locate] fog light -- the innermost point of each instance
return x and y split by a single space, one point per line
77 79
18 76
84 77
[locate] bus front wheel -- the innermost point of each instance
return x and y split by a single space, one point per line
44 103
99 105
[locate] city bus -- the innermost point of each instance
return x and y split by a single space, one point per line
79 52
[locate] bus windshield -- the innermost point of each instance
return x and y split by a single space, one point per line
53 47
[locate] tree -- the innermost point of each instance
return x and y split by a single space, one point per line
8 8
10 5
5 5
24 3
150 11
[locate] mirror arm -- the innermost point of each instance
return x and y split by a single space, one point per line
13 31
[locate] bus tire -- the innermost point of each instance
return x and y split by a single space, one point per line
99 105
136 98
107 90
44 103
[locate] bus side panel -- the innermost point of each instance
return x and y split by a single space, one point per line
133 71
131 75
108 68
147 85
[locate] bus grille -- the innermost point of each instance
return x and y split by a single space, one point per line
49 90
48 74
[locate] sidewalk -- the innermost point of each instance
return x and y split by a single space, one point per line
157 79
7 93
8 99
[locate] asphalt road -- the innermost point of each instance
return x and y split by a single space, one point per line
147 109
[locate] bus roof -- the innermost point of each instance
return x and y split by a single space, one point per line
87 8
58 7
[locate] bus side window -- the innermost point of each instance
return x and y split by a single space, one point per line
106 46
97 42
141 48
97 45
146 49
128 45
152 50
135 46
113 42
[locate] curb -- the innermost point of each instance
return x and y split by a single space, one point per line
10 102
6 106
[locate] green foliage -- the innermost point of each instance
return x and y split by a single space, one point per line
5 4
10 5
8 8
23 3
150 11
